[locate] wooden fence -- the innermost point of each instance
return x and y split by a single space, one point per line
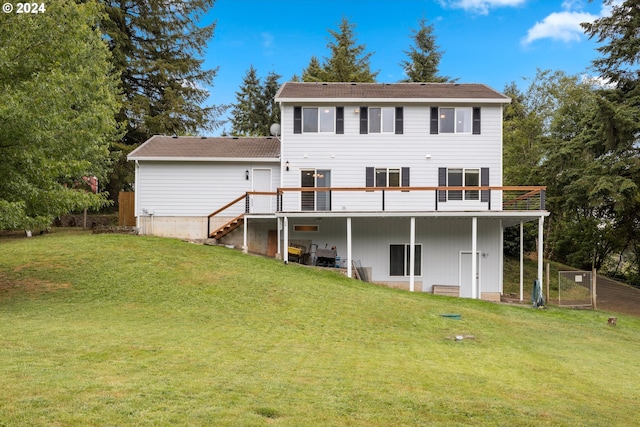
126 209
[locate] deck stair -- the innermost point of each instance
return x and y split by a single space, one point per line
228 227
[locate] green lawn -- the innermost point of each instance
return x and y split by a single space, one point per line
127 330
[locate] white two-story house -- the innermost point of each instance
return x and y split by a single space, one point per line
403 180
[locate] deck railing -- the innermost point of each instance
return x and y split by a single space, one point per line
453 198
376 199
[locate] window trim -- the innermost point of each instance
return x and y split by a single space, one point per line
371 175
383 115
406 260
473 121
464 193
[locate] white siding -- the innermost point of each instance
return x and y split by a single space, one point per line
195 188
349 154
442 241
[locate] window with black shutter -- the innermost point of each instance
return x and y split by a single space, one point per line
434 121
297 119
340 120
442 182
370 177
364 120
484 181
476 120
399 120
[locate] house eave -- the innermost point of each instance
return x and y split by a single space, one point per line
204 159
370 101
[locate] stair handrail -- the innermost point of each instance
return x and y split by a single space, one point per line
228 205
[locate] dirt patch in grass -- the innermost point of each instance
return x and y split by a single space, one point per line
10 287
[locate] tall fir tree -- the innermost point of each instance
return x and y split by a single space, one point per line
255 109
271 107
349 61
619 42
245 113
424 56
157 48
616 122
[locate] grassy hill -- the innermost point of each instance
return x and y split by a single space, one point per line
126 330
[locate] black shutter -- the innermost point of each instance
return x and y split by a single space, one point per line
442 182
434 120
364 120
340 120
484 181
297 119
370 177
399 119
405 177
476 120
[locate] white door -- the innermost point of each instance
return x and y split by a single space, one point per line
261 182
464 277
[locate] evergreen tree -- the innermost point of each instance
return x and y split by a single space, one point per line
58 99
255 109
616 123
246 114
157 48
348 61
424 57
271 108
618 34
314 71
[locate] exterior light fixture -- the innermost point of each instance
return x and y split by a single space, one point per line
246 174
287 166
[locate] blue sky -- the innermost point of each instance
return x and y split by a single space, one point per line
494 42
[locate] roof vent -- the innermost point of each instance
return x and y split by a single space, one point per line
235 137
175 137
203 137
353 84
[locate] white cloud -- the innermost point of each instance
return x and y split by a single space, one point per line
481 6
563 26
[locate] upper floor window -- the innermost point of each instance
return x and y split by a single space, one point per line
318 119
455 120
381 120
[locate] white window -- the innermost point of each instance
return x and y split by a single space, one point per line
455 120
318 119
463 178
381 119
400 263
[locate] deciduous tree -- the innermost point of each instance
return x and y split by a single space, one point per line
58 99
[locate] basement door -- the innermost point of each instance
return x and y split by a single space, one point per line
261 182
465 274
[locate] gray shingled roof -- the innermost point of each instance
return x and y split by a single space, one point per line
301 91
191 147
